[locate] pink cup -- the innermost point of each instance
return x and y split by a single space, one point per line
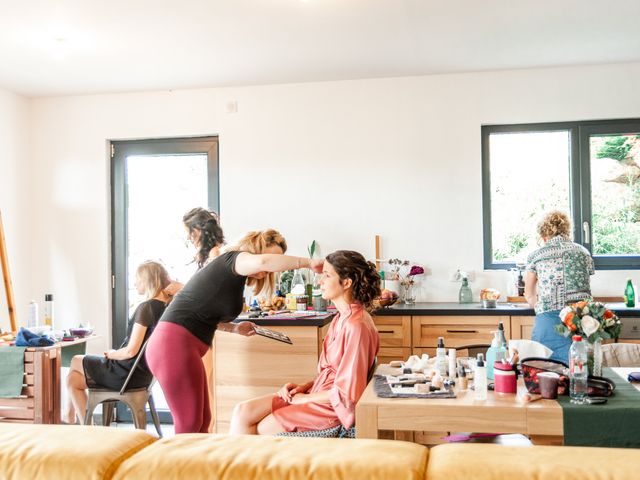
548 384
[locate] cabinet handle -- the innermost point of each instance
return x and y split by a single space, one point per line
386 331
462 331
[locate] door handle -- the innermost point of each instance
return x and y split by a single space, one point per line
586 232
462 331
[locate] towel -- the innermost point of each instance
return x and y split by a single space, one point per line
11 371
26 338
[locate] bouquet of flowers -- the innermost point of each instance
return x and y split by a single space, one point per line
590 319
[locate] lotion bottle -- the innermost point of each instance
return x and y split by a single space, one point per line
480 379
441 358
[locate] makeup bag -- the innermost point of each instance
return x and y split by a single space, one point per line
596 386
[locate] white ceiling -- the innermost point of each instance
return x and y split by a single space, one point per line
132 45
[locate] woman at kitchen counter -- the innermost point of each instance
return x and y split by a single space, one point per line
348 352
209 301
557 274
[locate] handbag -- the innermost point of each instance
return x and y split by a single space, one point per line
596 386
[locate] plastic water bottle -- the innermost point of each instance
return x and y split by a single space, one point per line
578 370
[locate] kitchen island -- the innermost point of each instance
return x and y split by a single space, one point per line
248 367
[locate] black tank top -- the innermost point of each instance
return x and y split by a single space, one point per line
213 295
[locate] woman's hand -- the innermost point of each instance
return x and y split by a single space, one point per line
106 354
285 392
173 288
301 388
244 329
316 264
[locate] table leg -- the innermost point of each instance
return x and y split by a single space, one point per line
366 421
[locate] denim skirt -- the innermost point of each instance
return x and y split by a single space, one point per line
544 332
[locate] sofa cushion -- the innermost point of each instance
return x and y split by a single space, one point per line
195 456
496 462
65 451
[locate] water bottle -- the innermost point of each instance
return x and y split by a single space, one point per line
578 370
32 319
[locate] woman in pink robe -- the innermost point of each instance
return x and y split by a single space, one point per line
348 352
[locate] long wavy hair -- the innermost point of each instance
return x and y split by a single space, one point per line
363 274
205 222
256 243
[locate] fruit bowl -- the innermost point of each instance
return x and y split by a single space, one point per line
81 332
384 302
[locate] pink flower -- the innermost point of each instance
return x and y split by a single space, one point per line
416 270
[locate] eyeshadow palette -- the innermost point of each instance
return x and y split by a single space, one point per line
265 332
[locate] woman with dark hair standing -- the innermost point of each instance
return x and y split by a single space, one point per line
211 300
205 233
557 274
348 352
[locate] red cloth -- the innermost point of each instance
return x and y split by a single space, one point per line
348 351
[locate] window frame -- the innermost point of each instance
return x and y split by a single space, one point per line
579 184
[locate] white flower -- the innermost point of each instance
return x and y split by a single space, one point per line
585 310
589 325
564 312
610 322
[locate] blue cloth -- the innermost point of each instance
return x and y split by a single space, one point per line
26 338
544 332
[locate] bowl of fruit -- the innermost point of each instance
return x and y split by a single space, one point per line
386 299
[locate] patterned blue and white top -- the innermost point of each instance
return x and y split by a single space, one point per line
563 270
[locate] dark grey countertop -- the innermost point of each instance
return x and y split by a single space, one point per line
473 309
319 321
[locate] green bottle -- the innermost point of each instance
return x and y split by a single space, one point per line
629 295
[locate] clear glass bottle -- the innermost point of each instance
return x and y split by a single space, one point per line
298 285
465 295
578 371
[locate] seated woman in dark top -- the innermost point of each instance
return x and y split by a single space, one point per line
111 370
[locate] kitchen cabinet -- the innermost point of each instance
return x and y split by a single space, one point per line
521 327
395 337
458 331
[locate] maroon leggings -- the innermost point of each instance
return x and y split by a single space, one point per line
174 356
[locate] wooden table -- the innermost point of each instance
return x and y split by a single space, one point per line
40 398
541 421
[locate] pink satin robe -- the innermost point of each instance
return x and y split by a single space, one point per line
348 351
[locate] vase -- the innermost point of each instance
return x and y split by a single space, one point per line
594 357
409 293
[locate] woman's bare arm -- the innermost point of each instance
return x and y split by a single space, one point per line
250 264
531 288
132 348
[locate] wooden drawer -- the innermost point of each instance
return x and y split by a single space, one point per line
457 331
388 354
521 327
394 331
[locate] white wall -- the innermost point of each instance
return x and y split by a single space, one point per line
14 200
336 162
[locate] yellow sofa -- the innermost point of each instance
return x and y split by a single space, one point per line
33 452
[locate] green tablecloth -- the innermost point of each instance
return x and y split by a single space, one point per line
11 371
68 352
613 424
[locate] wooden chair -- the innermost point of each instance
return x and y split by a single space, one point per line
621 355
136 399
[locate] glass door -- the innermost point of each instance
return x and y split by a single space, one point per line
154 182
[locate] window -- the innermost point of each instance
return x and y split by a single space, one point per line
590 170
